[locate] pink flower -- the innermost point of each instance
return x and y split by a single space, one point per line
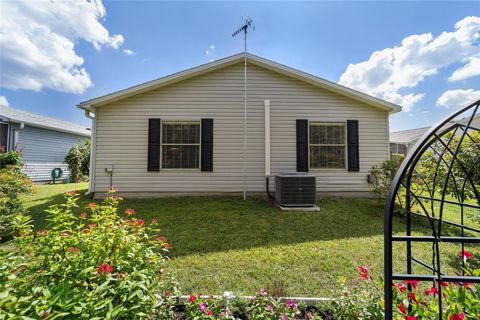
161 238
104 267
466 254
83 215
269 307
432 291
283 317
363 271
410 318
203 307
414 283
400 286
457 316
167 246
129 211
291 304
412 297
261 292
42 232
401 307
192 298
139 222
92 225
209 312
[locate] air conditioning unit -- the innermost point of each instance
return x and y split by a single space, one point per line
295 190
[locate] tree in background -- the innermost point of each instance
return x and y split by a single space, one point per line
78 161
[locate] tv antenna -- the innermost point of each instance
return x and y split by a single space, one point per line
247 26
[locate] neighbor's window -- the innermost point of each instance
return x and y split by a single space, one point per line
181 145
3 137
327 145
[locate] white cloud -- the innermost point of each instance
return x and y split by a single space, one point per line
458 98
471 69
128 52
4 101
38 43
418 56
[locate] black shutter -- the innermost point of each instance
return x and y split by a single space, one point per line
153 145
302 145
207 145
352 146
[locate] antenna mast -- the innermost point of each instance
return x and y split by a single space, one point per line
248 25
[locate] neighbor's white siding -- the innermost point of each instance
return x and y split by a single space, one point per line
122 129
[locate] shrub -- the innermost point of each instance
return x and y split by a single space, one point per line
383 174
13 184
78 161
93 264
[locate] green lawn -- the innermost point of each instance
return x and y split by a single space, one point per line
224 243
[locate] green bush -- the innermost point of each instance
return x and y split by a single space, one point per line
78 161
13 184
86 265
383 174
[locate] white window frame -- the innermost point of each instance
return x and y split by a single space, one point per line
199 144
344 144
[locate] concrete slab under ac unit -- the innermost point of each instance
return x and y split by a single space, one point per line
308 209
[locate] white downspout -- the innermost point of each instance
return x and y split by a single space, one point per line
267 137
91 178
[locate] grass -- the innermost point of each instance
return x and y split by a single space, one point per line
226 244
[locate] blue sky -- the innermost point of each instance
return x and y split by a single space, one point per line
321 38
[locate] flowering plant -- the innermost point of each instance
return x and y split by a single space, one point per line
89 264
261 306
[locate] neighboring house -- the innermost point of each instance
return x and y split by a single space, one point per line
184 133
44 141
402 141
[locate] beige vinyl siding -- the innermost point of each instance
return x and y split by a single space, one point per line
122 129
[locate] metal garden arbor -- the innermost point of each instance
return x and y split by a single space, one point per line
439 182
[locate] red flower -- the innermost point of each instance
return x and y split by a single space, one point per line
192 298
42 232
71 193
129 211
83 215
161 238
105 267
466 254
400 286
210 312
432 291
457 316
412 297
410 318
139 222
414 283
363 271
402 308
92 204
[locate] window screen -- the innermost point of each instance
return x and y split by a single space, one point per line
327 145
3 137
181 145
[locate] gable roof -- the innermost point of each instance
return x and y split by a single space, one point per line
37 120
407 136
228 61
